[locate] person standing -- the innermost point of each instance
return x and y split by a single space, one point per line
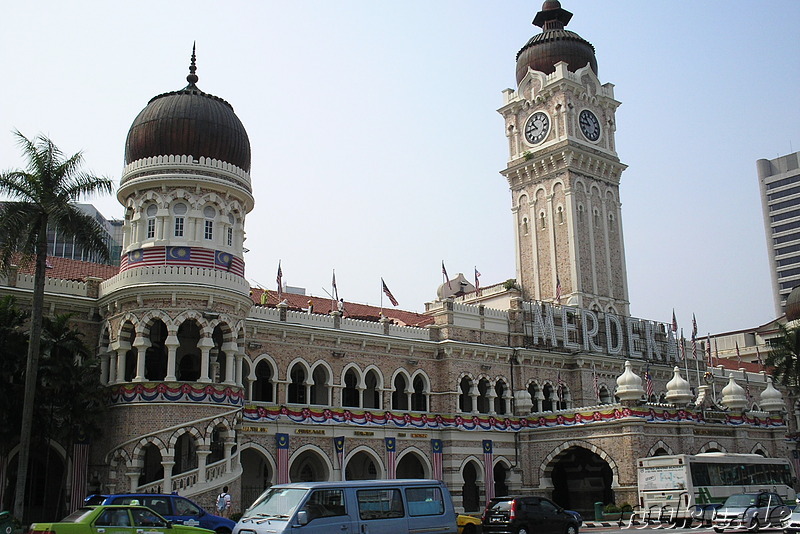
224 503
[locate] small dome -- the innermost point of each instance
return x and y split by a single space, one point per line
678 390
733 396
792 307
554 44
771 398
189 122
455 287
629 385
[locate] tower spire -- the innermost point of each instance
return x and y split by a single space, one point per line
192 77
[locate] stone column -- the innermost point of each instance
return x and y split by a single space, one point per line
205 345
202 459
231 349
230 441
172 345
167 462
240 369
121 348
133 474
141 343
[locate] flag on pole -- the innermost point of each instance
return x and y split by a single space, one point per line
446 278
716 352
391 450
437 449
758 357
279 279
558 289
388 293
80 469
488 466
338 446
648 378
674 321
738 354
683 346
477 282
708 350
694 338
282 441
333 286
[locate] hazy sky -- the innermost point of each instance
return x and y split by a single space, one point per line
376 142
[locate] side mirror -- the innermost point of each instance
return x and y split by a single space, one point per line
302 517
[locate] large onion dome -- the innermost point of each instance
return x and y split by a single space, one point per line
792 306
189 122
554 44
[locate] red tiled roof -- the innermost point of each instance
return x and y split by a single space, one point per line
353 310
67 269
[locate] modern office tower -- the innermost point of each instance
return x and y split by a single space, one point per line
779 180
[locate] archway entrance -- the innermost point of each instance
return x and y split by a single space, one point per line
580 479
470 494
410 466
309 467
257 475
361 466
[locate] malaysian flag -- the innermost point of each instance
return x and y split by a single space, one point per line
437 449
558 289
333 286
694 337
282 441
338 445
488 466
279 279
477 282
648 378
674 321
683 346
708 349
738 354
388 293
391 451
446 278
147 256
80 468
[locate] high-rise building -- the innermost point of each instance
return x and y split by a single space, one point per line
779 180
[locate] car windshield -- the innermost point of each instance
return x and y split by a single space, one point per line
278 502
741 500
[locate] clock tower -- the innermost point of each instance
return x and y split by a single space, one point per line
564 173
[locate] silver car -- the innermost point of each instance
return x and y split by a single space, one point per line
751 511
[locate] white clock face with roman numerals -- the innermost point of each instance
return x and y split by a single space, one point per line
590 126
537 127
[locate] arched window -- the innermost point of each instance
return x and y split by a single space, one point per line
208 228
179 216
419 399
547 403
605 396
524 226
150 212
399 397
464 398
499 399
297 385
350 391
580 213
217 446
542 221
319 391
185 454
483 399
536 400
263 388
560 215
372 395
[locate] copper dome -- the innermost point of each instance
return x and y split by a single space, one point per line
792 306
554 44
189 122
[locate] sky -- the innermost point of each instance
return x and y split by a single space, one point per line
377 145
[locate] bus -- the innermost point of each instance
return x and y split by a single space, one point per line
678 487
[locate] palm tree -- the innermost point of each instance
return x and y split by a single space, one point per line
784 358
43 194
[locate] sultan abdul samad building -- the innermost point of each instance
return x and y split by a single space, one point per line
496 391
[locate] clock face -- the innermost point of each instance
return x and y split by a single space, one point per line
537 127
590 126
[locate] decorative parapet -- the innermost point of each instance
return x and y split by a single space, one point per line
161 274
498 423
181 392
54 285
173 164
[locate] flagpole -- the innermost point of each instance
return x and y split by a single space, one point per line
685 360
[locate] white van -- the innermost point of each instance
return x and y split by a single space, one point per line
355 506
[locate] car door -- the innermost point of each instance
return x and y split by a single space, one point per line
534 517
327 511
186 512
381 511
113 521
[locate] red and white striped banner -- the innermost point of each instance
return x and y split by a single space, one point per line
488 467
283 457
184 256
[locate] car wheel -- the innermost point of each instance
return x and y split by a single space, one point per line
571 529
522 530
717 529
223 530
468 529
754 525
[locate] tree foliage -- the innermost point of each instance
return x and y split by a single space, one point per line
784 357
